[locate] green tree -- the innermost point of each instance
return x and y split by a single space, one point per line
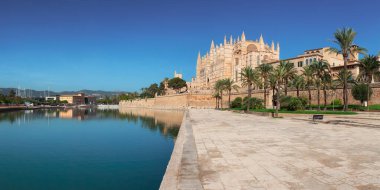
308 73
219 87
280 73
265 70
272 84
229 85
161 88
177 84
298 82
12 93
320 68
342 76
326 81
290 72
216 95
249 76
2 99
344 39
369 68
360 92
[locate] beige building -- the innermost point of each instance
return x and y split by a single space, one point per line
310 56
227 59
335 60
78 99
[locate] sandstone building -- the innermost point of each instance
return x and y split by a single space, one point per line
336 61
78 99
226 60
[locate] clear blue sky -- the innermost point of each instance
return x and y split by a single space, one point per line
125 45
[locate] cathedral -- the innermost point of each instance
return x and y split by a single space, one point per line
227 60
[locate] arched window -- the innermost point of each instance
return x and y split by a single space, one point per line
311 61
315 59
307 62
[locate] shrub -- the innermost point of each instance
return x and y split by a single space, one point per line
237 102
304 101
254 103
336 102
360 92
295 104
284 101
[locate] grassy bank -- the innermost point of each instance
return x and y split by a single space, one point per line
301 111
350 107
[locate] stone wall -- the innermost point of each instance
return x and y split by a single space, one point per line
177 101
182 101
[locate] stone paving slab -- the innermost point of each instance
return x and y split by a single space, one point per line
243 151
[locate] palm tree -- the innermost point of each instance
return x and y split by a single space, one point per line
216 96
219 87
290 71
369 67
343 75
339 81
320 68
265 70
344 38
327 84
249 77
229 85
308 73
272 84
280 73
299 83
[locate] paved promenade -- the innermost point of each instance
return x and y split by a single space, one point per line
225 150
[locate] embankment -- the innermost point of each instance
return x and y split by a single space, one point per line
201 101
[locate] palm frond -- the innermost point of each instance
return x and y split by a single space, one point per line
334 50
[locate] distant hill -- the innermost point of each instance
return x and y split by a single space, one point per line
40 93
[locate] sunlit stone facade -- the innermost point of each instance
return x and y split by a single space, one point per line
227 59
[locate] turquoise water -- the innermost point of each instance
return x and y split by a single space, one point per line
84 149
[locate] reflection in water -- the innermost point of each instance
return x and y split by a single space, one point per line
167 122
86 148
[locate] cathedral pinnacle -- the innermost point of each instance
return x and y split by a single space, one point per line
212 44
278 47
272 46
243 37
231 39
261 39
225 39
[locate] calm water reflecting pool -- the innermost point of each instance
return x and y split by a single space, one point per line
86 149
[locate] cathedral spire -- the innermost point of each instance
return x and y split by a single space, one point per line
199 57
272 46
225 39
278 47
238 39
243 36
231 39
212 44
261 39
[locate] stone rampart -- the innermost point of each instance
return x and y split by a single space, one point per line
182 101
